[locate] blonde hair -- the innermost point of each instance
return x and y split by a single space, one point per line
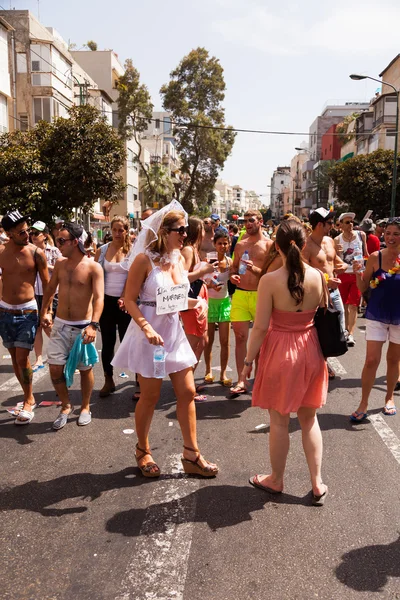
160 244
127 242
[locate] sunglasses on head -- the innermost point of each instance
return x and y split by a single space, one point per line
393 221
181 230
250 220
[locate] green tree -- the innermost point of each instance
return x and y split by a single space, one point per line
158 187
56 167
194 98
364 182
92 45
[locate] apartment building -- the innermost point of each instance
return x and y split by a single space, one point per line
6 105
160 142
280 181
104 68
226 197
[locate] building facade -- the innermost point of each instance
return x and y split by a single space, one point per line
6 105
280 181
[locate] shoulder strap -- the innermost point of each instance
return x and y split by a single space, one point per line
380 259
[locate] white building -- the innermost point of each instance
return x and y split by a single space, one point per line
279 181
5 83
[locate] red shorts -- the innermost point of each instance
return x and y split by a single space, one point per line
348 289
190 318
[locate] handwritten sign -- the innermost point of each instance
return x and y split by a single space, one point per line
172 298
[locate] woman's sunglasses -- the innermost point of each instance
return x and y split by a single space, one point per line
181 230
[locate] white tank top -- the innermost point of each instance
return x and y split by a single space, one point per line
349 248
114 278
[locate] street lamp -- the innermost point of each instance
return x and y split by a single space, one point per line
356 77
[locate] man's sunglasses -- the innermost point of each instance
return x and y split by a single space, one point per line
35 232
249 220
181 230
348 222
61 241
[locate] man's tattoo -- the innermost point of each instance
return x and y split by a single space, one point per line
27 376
58 380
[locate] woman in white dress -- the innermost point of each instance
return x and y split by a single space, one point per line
156 263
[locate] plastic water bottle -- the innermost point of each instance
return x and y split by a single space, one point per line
358 258
242 265
159 361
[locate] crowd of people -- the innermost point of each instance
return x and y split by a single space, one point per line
169 288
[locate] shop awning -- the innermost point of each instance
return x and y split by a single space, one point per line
345 157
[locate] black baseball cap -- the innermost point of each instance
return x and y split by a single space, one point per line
12 219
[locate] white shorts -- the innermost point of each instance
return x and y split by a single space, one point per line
381 332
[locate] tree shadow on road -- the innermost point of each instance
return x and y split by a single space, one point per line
368 569
218 506
39 496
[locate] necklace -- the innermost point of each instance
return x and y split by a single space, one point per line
316 243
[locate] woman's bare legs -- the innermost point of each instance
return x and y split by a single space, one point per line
312 445
149 394
372 360
278 450
183 383
197 344
392 373
208 348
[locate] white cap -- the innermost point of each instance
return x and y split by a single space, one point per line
344 215
323 212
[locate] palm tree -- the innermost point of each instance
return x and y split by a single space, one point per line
157 186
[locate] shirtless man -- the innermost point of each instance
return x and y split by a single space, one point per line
207 245
320 252
80 304
245 297
20 261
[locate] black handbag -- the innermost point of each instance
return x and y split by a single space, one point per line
195 288
327 322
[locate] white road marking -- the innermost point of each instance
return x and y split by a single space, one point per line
13 385
219 368
388 436
159 566
336 366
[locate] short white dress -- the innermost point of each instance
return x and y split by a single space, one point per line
136 353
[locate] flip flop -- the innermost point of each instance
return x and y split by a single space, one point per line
319 500
37 367
359 416
386 410
236 390
225 382
254 482
27 415
209 378
200 398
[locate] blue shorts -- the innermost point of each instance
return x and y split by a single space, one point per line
18 330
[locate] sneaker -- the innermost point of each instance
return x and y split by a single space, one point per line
350 340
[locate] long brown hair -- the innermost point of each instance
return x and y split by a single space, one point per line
291 239
160 244
195 232
127 242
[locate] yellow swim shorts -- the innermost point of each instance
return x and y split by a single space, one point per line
243 306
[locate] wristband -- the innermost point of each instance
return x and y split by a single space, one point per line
143 326
247 363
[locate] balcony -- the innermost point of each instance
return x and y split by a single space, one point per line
308 166
387 119
306 203
307 185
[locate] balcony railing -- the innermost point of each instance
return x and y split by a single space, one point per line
389 119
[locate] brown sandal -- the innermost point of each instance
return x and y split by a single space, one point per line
192 467
147 470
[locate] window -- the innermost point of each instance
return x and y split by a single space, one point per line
41 110
167 125
3 114
41 79
21 63
23 122
157 125
40 58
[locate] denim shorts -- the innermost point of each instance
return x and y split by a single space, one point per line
18 330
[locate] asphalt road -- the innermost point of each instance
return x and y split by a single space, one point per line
79 522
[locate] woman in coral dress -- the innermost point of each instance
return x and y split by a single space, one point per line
291 374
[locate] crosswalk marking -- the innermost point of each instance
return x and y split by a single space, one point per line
388 436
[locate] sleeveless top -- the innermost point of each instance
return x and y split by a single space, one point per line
384 303
223 277
348 250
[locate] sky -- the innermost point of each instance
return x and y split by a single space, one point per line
282 62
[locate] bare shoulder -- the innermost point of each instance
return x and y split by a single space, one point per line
329 241
187 251
94 267
312 274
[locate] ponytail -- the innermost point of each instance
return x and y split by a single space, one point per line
291 238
